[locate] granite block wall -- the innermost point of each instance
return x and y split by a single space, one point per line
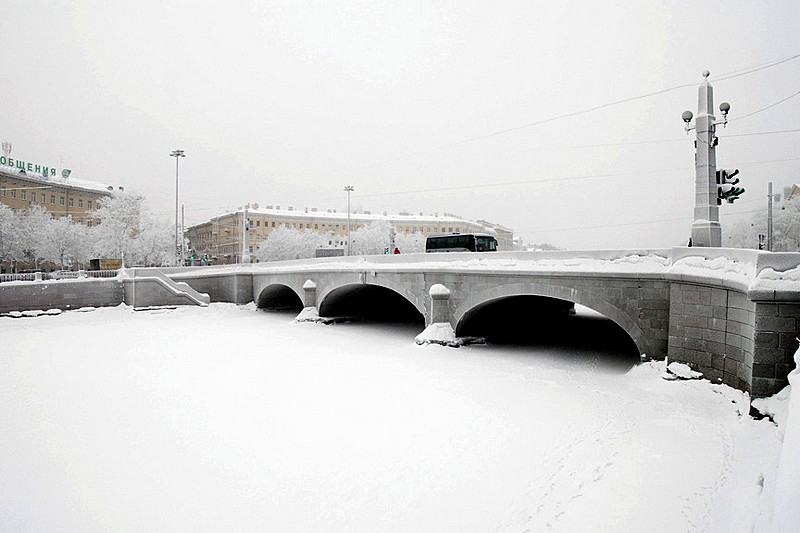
777 327
62 294
732 339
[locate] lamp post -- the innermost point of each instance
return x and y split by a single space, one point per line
177 154
706 229
349 189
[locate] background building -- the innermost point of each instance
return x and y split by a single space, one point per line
789 193
221 237
59 196
25 185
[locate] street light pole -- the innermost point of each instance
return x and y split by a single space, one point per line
177 154
769 217
349 189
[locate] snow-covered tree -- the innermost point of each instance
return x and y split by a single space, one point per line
10 235
411 243
121 220
34 225
127 231
785 229
286 243
154 245
64 242
371 239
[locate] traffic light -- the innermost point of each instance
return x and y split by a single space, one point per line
726 185
191 255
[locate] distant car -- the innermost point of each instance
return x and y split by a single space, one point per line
63 274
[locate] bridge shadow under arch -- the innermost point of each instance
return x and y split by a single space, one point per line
542 323
371 303
278 297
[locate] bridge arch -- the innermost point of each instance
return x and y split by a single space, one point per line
278 296
403 288
369 301
570 294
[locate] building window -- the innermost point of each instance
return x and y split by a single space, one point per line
3 191
33 197
316 226
89 222
258 223
61 201
52 200
80 202
273 223
89 204
13 193
24 195
72 202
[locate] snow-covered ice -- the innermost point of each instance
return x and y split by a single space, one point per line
226 418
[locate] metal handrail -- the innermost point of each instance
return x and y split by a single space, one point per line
59 275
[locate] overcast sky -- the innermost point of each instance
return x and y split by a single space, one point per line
421 106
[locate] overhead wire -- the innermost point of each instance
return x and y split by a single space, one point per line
750 70
742 72
618 102
628 224
773 132
739 117
731 75
725 77
560 179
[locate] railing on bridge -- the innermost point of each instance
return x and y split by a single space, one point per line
59 275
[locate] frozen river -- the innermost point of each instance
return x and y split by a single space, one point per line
231 419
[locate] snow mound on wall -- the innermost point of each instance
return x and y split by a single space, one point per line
769 278
629 263
720 267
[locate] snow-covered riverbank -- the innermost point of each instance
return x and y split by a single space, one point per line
227 418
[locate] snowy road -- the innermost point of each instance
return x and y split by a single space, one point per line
231 419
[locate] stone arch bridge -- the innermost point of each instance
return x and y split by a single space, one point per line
732 314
